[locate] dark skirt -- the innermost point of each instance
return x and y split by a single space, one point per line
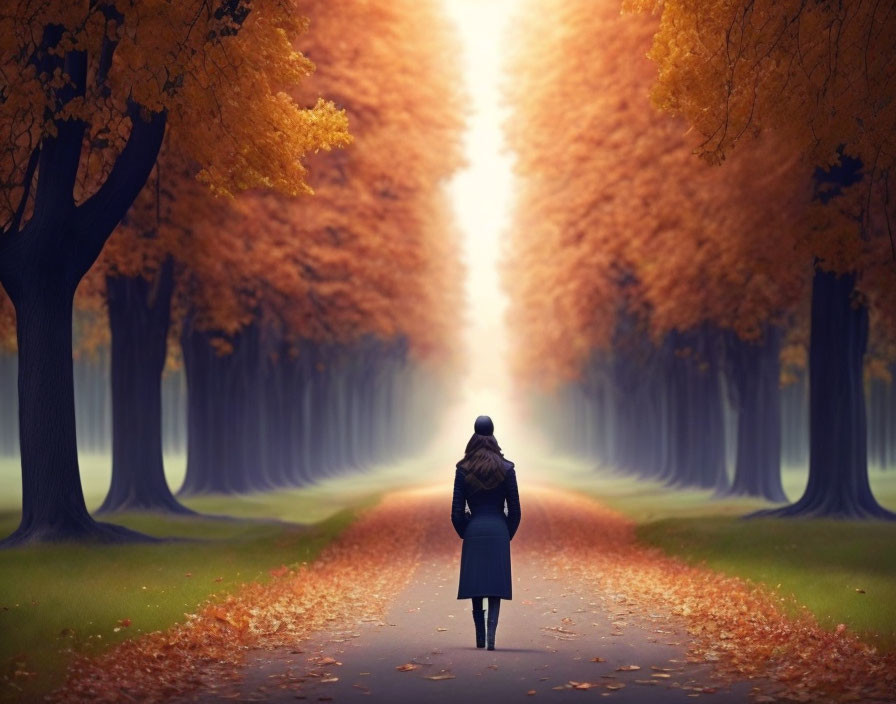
485 557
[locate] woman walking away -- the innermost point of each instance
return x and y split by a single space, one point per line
484 481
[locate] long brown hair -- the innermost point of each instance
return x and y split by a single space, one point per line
483 464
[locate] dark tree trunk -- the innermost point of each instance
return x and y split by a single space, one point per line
697 435
317 420
52 500
878 421
795 422
41 265
197 379
753 372
9 421
139 317
838 469
249 409
206 433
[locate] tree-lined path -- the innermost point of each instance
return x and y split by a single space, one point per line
375 618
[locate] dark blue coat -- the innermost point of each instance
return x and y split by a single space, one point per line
486 532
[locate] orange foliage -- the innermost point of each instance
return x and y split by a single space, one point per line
218 69
613 210
819 75
353 580
379 221
7 324
739 629
374 251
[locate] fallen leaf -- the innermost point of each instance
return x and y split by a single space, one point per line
628 668
597 660
407 666
440 676
531 692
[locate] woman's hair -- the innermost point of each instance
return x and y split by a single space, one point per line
483 464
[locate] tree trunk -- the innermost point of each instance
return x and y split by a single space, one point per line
41 265
9 422
139 317
52 500
753 372
696 436
838 484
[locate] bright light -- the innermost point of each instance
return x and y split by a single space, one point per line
482 196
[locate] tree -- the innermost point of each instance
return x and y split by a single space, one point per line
324 306
821 77
82 126
626 245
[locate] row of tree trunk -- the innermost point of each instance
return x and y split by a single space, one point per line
683 410
266 414
263 416
93 406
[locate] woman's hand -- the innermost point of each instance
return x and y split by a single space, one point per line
459 514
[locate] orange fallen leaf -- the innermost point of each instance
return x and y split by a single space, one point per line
628 668
597 660
407 666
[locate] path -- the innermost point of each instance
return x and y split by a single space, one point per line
383 596
547 636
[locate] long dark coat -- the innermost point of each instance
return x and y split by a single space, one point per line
486 532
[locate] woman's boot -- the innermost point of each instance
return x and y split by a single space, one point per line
494 608
479 621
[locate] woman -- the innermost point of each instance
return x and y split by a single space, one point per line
484 480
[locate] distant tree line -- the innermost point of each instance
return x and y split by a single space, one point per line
677 314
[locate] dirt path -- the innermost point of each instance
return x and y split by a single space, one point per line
384 595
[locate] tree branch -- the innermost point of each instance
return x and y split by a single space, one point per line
98 216
29 177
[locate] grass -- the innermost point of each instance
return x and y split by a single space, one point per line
821 563
56 600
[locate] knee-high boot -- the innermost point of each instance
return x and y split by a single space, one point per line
494 608
479 621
